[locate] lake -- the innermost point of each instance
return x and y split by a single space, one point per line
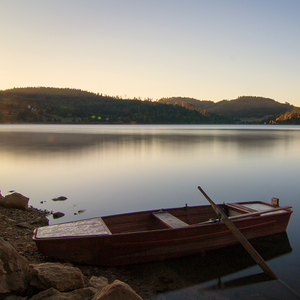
110 169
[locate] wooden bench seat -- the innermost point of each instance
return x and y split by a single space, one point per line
169 220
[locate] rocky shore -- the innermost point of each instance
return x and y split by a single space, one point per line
27 274
16 230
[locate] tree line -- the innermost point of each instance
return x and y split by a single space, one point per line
54 105
241 107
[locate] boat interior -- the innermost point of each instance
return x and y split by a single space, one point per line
156 220
182 217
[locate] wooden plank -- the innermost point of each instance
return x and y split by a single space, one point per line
95 226
258 213
241 207
169 220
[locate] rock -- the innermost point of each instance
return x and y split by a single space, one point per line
118 290
58 215
85 293
61 277
48 294
41 221
53 294
14 200
14 270
98 282
14 297
24 225
79 212
60 198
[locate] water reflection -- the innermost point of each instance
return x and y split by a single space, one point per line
227 268
31 143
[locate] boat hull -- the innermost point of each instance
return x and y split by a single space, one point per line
153 245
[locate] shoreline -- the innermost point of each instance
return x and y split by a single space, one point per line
17 226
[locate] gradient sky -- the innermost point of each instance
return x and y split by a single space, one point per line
208 50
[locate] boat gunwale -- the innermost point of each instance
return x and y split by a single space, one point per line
284 211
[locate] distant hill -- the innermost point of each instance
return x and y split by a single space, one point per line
50 91
203 104
290 117
55 105
240 108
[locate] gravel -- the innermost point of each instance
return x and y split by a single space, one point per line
16 227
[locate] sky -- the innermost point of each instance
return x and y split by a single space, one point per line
208 50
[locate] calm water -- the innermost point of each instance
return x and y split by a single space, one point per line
111 169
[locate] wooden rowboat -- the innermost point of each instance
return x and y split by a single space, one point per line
159 234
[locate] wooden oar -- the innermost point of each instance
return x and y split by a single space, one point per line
259 260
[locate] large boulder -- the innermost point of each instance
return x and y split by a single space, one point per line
56 281
118 290
14 200
53 294
14 270
14 297
98 282
61 277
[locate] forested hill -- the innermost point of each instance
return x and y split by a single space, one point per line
54 105
242 107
